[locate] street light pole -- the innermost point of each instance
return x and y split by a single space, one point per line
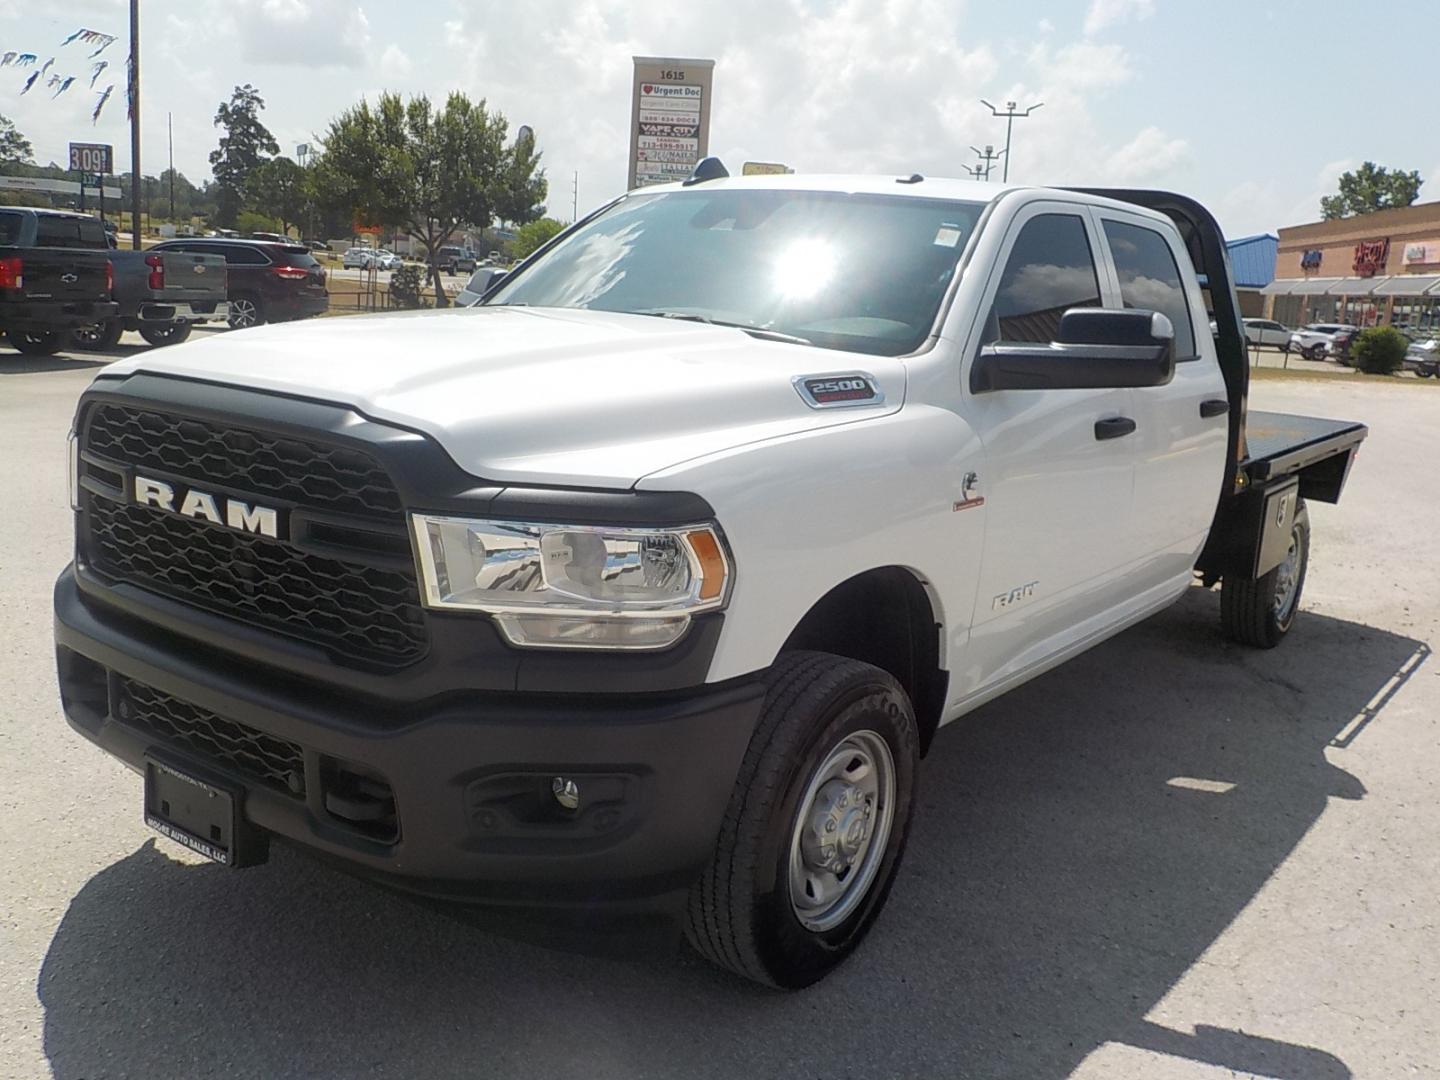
135 124
1010 114
989 157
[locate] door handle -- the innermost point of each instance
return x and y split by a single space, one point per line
1114 428
1214 407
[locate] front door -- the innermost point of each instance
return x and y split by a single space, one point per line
1057 480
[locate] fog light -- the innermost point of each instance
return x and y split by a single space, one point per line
566 792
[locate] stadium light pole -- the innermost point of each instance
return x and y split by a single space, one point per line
1010 113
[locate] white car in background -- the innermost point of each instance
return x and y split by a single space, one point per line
388 260
1313 341
1267 332
357 258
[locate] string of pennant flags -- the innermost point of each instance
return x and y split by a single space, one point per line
58 83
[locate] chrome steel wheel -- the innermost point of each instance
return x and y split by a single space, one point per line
1287 578
841 830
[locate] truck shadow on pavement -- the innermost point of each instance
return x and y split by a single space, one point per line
1066 871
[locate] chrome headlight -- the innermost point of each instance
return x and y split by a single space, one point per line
573 586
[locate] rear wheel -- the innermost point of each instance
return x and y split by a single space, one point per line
36 342
245 310
98 338
168 334
1314 352
1260 612
816 825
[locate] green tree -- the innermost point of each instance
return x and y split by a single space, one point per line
430 171
1369 188
244 145
531 236
14 147
279 188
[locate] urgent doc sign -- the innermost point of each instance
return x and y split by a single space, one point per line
669 118
92 158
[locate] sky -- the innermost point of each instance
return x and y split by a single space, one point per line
1253 107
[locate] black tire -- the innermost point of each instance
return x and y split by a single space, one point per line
98 338
1314 352
37 342
741 915
169 334
245 311
1249 611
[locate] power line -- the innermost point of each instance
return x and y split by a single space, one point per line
1010 113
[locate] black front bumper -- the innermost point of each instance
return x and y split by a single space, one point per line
470 772
40 316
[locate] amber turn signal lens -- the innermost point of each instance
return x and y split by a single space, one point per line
712 563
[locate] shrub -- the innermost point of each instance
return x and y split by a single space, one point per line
405 285
1379 350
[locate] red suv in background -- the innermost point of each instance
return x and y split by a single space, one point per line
269 281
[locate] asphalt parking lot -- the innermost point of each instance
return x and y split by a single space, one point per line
1171 857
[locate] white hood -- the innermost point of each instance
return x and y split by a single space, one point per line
540 395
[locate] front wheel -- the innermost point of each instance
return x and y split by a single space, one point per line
1314 352
816 825
1260 612
36 342
168 334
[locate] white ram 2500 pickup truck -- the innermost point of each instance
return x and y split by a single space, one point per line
636 593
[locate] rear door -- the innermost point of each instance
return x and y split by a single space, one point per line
1057 493
1181 431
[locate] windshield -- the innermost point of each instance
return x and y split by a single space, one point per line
860 272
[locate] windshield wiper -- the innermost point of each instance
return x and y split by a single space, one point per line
753 331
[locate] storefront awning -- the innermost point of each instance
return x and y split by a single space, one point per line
1355 286
1408 285
1280 287
1315 286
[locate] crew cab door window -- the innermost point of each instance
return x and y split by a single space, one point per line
69 232
1050 270
1149 279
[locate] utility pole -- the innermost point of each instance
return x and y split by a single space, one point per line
988 156
170 132
135 124
1010 114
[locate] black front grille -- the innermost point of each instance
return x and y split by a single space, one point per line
286 469
362 614
239 748
357 612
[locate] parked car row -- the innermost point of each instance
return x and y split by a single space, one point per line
61 283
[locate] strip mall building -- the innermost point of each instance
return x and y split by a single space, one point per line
1372 270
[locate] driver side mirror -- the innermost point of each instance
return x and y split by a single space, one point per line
1094 348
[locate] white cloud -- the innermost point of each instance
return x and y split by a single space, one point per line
1149 154
395 63
1105 13
1045 26
315 33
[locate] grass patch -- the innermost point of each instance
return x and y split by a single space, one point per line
1269 374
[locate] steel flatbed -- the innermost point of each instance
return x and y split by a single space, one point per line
1279 444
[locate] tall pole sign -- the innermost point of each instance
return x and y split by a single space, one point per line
669 118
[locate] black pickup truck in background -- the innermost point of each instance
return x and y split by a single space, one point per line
55 276
162 294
